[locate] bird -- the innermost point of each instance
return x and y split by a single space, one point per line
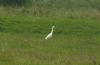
50 34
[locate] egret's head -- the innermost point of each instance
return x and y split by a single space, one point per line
53 26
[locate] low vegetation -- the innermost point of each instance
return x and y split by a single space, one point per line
75 41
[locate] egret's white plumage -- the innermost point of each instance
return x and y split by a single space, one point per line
50 34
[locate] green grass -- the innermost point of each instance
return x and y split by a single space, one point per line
75 41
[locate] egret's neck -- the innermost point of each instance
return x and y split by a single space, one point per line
52 29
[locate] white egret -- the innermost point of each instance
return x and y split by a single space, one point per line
50 34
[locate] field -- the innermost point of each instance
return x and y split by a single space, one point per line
24 24
76 41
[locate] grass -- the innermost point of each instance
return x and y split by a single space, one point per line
58 8
75 41
51 12
76 36
67 3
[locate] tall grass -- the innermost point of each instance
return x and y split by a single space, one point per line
15 2
50 12
68 4
65 8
